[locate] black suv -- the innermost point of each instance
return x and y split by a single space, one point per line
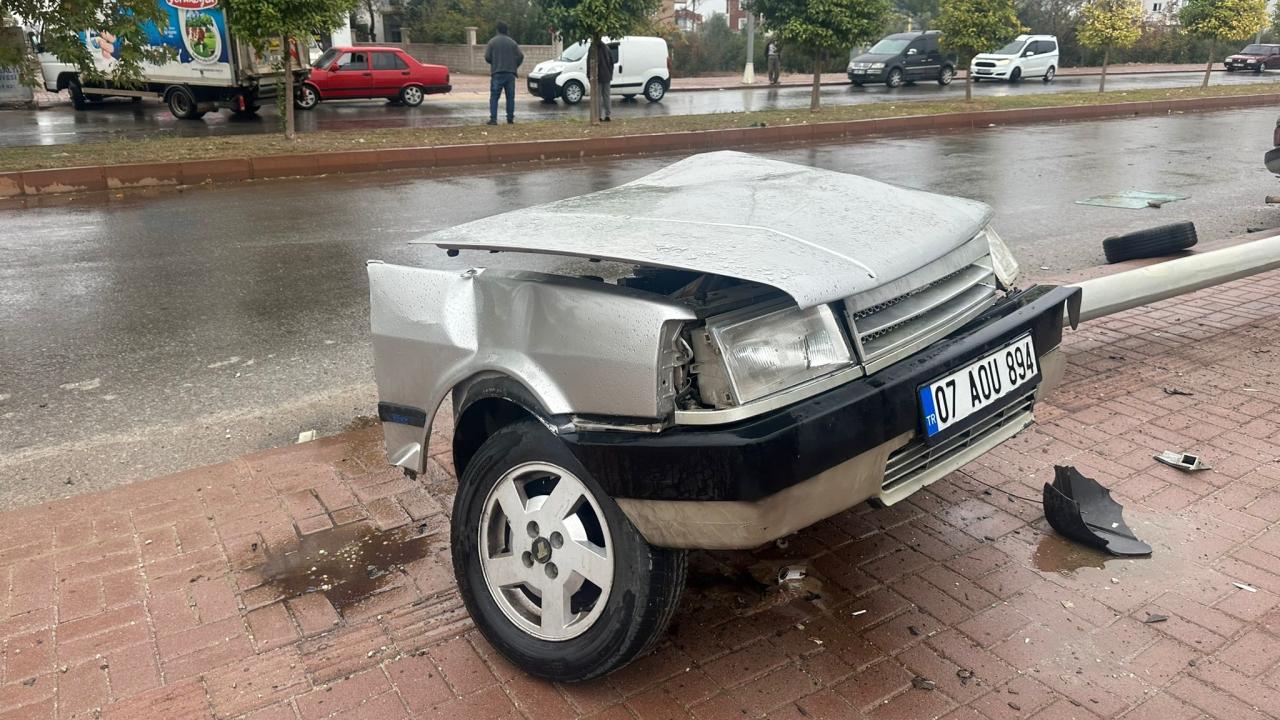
903 57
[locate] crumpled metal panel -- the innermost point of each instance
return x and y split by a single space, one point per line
577 345
817 235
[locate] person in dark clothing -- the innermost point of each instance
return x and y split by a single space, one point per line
774 53
604 78
504 58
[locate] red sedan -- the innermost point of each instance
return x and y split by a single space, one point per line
371 72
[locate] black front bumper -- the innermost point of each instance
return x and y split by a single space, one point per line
544 87
760 456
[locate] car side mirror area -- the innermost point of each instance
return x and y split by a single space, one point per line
912 51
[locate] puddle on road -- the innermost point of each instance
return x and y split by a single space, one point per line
347 563
1057 554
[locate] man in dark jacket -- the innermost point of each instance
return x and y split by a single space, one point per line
504 58
604 78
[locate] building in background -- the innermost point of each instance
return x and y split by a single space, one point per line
737 15
383 18
1162 13
687 19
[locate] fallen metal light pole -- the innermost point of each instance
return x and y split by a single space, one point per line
1145 285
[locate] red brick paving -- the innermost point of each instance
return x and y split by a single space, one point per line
151 600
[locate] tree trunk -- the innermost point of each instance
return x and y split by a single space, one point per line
816 95
968 87
592 78
373 35
1106 57
1208 66
289 132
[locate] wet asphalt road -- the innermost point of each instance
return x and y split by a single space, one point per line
118 118
151 332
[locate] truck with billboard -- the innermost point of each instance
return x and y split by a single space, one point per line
208 66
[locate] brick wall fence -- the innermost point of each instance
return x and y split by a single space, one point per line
469 58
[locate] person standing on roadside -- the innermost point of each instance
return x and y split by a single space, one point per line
774 54
504 58
604 78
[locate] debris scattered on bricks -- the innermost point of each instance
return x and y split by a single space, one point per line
1242 586
1153 618
1082 510
923 683
1183 461
306 436
1176 391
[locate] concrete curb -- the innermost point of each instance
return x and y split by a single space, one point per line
32 183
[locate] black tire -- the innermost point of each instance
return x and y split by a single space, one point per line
646 584
412 95
182 104
946 75
894 78
857 83
1257 70
1050 74
1152 242
655 89
306 97
1016 75
135 100
573 92
78 99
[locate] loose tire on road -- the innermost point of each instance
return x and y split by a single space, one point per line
1016 75
894 78
1048 74
655 90
182 104
306 97
1152 242
947 75
573 92
412 96
530 523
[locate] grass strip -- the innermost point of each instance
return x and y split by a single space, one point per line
166 149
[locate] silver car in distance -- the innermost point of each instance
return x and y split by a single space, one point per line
778 343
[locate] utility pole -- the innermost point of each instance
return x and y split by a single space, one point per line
749 72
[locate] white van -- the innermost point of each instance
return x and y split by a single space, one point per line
643 68
1027 56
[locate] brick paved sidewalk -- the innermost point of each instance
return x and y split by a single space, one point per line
182 596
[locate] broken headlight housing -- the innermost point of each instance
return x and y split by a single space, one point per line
786 346
1003 263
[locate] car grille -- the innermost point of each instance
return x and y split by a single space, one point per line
887 331
915 459
985 63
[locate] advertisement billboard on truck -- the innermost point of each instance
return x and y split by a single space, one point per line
207 67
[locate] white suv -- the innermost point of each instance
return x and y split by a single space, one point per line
1027 56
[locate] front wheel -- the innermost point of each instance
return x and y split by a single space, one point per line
573 92
947 75
1048 74
1016 75
306 97
412 96
655 89
552 572
894 79
78 99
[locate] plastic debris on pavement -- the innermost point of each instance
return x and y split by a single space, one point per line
1183 461
1082 510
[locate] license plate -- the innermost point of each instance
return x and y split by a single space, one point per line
978 386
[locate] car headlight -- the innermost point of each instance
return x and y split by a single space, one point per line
1002 62
1003 263
876 66
771 352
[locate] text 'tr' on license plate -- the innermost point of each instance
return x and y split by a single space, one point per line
978 386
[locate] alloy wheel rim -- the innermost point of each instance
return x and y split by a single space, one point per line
546 551
308 96
655 89
413 95
573 93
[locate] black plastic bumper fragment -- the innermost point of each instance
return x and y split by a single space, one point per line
402 414
760 456
1082 510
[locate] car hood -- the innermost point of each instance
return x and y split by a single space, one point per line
548 67
993 56
814 234
873 57
1243 56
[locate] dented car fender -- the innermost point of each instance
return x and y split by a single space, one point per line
435 329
